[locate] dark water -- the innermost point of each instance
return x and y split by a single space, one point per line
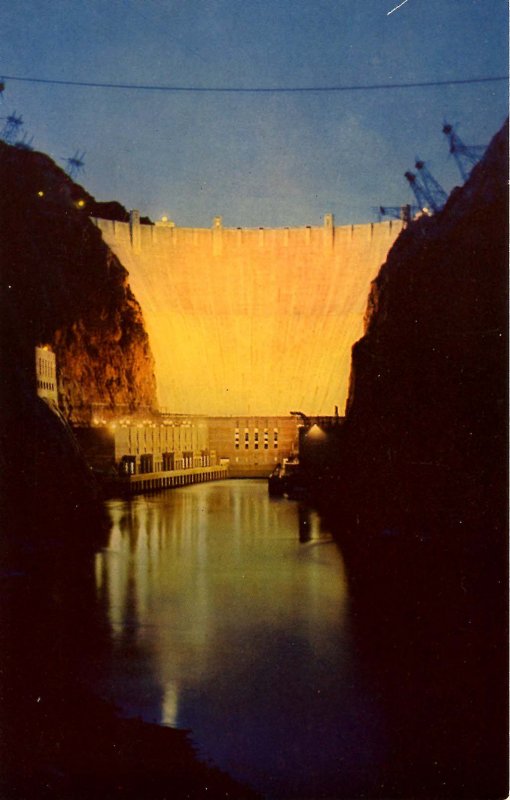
228 613
220 610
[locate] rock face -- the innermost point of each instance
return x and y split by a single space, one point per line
426 416
63 287
417 491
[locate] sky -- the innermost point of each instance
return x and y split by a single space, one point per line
256 159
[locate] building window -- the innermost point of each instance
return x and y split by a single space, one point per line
147 463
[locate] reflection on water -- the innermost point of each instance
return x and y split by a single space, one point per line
228 615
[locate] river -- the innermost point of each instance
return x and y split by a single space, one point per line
217 609
228 614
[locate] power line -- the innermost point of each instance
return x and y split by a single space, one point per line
257 89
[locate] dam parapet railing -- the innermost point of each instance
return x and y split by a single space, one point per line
145 237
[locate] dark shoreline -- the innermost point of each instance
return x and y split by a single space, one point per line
58 739
82 748
430 622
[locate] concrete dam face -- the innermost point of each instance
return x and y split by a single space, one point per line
251 322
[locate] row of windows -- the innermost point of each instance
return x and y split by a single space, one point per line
256 445
256 433
45 367
46 385
255 438
160 435
167 463
258 424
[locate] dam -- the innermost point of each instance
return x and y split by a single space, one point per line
251 321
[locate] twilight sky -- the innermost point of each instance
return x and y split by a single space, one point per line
256 159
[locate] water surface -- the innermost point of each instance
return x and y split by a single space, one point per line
228 614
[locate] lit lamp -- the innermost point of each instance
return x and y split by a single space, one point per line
316 433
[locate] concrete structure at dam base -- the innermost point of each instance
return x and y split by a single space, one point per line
253 446
167 450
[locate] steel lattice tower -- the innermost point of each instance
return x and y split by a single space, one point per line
404 213
75 164
435 193
418 191
466 156
12 127
25 143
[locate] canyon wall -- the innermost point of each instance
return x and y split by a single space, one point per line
417 492
61 287
64 288
427 410
251 322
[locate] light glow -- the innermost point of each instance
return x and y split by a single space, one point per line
253 325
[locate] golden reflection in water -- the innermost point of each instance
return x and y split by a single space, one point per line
170 704
210 580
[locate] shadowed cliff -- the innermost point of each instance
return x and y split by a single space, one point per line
425 432
62 286
415 487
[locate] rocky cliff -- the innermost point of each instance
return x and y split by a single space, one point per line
62 287
416 490
426 415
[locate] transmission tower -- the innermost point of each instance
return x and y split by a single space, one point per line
434 191
418 191
75 164
466 156
24 143
404 213
12 126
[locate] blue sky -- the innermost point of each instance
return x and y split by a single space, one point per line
256 159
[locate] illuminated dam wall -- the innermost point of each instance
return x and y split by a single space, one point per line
251 321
